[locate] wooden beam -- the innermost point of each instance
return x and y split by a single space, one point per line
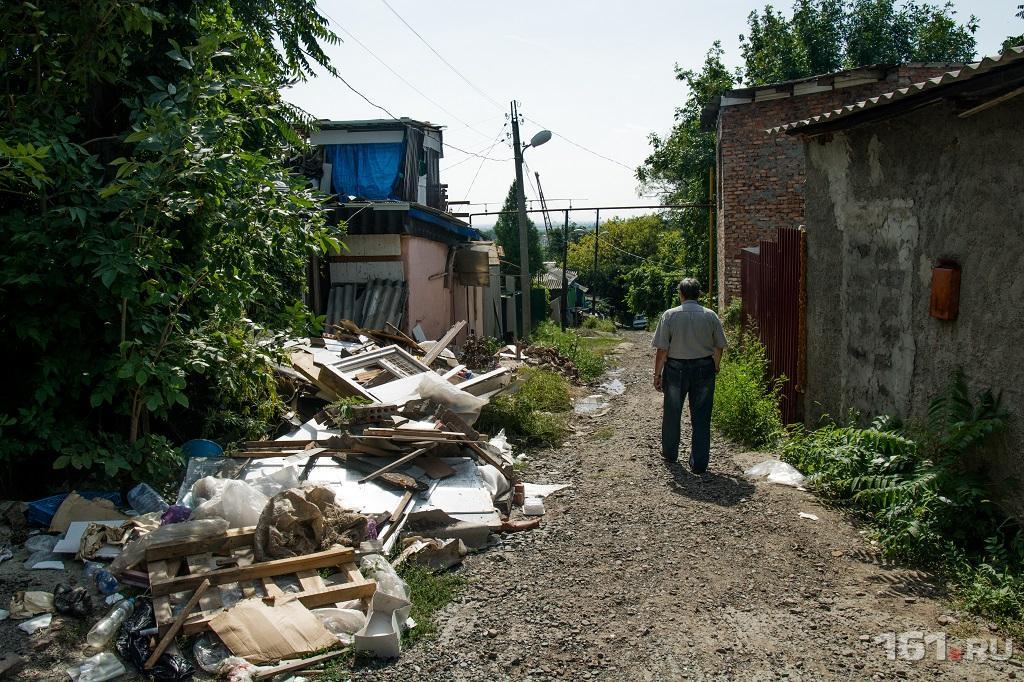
298 664
231 539
992 102
331 557
172 632
396 463
443 342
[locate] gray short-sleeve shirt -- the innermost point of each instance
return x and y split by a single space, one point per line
689 331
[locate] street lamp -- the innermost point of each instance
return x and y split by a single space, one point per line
524 242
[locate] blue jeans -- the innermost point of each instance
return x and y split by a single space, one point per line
695 379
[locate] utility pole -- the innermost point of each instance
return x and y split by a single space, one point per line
565 274
524 242
597 236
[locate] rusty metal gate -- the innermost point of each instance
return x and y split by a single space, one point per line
772 292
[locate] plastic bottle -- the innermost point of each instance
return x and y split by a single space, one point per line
106 583
106 627
145 500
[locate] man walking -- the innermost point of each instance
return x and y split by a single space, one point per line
689 342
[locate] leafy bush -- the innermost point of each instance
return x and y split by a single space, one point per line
924 494
746 406
569 343
600 324
535 415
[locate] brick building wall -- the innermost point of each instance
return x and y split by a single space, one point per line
760 177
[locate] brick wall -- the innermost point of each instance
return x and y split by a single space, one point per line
761 176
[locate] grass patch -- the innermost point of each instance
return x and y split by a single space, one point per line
598 323
572 345
924 497
536 415
604 433
430 592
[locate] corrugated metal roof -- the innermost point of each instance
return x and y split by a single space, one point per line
551 278
1007 57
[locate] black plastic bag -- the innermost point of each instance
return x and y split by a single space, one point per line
72 601
136 647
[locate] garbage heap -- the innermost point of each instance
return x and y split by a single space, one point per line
279 548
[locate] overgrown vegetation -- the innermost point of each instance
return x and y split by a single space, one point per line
429 592
746 406
572 345
600 324
926 495
152 241
536 415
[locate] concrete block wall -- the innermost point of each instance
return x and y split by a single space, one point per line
761 177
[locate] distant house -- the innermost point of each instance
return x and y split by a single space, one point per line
759 179
551 279
915 246
409 262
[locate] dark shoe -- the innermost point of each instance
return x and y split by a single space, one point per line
669 462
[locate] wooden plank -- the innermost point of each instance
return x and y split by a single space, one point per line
231 539
342 385
271 588
498 463
311 581
396 516
452 375
172 632
303 363
396 463
331 594
485 383
456 423
443 342
296 665
331 557
158 571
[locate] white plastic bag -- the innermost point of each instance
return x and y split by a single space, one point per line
99 668
377 567
237 502
497 484
342 623
775 471
462 403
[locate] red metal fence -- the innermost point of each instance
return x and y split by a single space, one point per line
770 281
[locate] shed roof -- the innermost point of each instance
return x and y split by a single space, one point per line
989 81
837 80
377 124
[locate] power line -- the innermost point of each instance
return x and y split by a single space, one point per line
486 158
586 149
446 62
403 78
501 133
368 100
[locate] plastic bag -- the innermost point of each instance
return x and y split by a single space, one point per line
176 513
134 646
99 668
342 623
613 387
43 556
135 551
239 503
210 652
41 543
497 484
72 601
388 582
775 471
33 625
237 669
462 403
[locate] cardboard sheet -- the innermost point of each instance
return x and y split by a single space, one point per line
261 633
70 543
77 508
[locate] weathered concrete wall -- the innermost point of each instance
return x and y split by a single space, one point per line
761 177
884 202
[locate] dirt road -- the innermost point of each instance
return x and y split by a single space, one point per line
641 573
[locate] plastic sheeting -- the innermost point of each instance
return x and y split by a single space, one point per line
367 171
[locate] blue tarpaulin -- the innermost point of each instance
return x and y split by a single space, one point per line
368 171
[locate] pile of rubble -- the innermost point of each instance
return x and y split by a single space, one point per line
279 548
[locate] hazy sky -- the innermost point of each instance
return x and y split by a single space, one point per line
598 72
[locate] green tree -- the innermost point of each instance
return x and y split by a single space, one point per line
1017 40
506 233
826 35
679 165
152 242
624 245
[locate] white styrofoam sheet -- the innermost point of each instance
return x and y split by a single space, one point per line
72 540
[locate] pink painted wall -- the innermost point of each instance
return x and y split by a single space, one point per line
429 304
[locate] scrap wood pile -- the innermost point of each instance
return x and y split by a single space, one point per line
278 548
552 359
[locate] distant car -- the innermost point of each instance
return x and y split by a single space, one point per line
640 322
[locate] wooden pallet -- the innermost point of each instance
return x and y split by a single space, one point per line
177 569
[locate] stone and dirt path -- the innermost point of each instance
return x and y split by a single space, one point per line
643 573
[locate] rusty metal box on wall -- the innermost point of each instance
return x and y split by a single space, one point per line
945 291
